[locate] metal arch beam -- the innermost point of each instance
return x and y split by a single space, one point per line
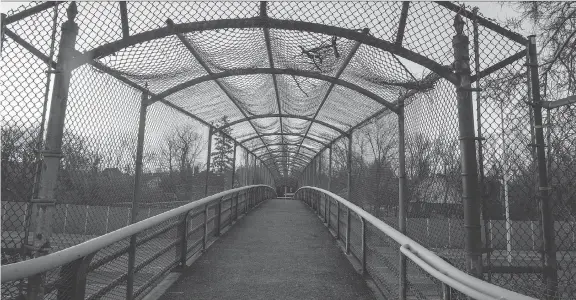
260 22
209 71
288 116
253 71
303 146
286 133
286 156
282 151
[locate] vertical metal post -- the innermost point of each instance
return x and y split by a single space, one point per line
337 220
2 30
363 246
218 217
208 161
329 168
549 245
254 170
234 165
72 279
348 218
86 220
470 199
45 203
320 170
402 201
236 207
136 195
205 232
246 173
66 218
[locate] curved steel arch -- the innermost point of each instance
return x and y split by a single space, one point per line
285 133
286 156
294 72
266 22
287 116
280 144
283 151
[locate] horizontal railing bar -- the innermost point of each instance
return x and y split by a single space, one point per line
42 264
124 250
154 278
429 257
103 291
474 294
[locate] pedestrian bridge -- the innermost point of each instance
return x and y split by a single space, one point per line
151 149
246 244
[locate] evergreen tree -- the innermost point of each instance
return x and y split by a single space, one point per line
223 148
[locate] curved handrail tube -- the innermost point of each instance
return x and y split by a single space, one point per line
42 264
428 259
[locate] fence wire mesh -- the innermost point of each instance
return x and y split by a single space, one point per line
285 130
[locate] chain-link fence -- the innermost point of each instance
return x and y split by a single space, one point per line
288 104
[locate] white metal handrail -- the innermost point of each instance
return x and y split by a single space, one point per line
42 264
429 261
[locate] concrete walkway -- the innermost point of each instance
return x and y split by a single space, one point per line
281 250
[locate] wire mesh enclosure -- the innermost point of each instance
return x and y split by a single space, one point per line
427 115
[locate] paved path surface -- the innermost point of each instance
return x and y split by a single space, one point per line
280 250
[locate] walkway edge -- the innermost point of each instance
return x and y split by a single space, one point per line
378 294
160 289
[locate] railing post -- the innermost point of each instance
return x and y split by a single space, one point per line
348 218
236 207
470 191
136 195
402 201
72 279
45 203
208 161
446 292
329 212
325 208
363 246
234 165
329 168
548 243
182 246
337 220
218 217
205 233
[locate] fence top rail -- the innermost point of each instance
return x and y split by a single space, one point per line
429 258
42 264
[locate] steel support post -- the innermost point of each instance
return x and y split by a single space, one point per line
470 191
349 171
236 207
320 171
210 131
218 217
329 168
205 232
136 195
246 167
402 201
52 153
337 220
549 246
72 279
233 166
363 262
254 170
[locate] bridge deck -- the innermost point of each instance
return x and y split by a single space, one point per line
280 250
